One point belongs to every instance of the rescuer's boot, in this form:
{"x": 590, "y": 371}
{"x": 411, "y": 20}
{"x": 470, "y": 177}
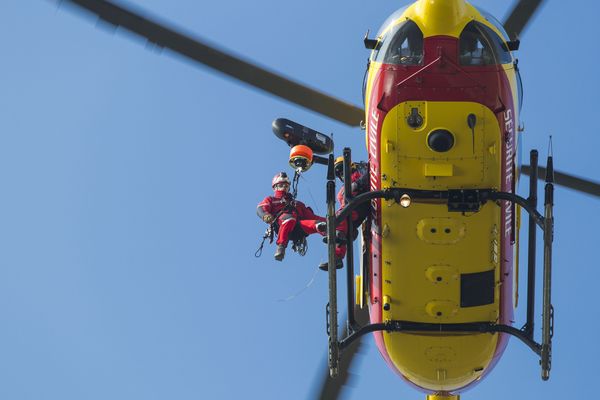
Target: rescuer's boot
{"x": 321, "y": 227}
{"x": 280, "y": 252}
{"x": 324, "y": 266}
{"x": 340, "y": 238}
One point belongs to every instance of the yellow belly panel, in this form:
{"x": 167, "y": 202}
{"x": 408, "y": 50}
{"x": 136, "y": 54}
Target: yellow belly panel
{"x": 444, "y": 363}
{"x": 426, "y": 249}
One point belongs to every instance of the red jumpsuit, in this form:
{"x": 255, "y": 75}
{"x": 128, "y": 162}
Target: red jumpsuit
{"x": 288, "y": 212}
{"x": 360, "y": 184}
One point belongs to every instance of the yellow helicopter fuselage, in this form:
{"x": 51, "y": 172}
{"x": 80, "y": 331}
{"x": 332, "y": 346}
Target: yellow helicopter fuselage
{"x": 442, "y": 99}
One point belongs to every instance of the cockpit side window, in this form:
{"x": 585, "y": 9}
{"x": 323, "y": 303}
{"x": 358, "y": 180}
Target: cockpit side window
{"x": 492, "y": 20}
{"x": 480, "y": 45}
{"x": 402, "y": 45}
{"x": 519, "y": 87}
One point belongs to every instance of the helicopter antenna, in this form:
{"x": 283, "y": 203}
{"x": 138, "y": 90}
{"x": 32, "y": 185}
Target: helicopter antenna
{"x": 550, "y": 163}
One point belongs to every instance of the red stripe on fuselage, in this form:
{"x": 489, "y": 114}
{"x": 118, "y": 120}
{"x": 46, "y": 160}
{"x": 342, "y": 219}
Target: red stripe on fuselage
{"x": 442, "y": 78}
{"x": 375, "y": 117}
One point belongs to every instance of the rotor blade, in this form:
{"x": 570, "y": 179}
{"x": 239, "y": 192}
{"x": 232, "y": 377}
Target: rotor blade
{"x": 520, "y": 16}
{"x": 568, "y": 181}
{"x": 223, "y": 62}
{"x": 331, "y": 388}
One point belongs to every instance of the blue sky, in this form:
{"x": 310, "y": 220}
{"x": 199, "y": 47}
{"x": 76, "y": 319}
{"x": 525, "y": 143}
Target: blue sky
{"x": 130, "y": 179}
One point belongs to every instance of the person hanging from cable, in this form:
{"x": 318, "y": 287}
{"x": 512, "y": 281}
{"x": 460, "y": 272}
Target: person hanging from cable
{"x": 359, "y": 179}
{"x": 284, "y": 213}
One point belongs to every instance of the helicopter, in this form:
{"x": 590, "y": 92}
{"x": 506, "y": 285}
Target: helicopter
{"x": 440, "y": 300}
{"x": 445, "y": 172}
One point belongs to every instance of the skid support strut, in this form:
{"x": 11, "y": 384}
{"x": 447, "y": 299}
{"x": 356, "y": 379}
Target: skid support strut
{"x": 332, "y": 223}
{"x": 533, "y": 177}
{"x": 332, "y": 309}
{"x": 352, "y": 325}
{"x": 548, "y": 310}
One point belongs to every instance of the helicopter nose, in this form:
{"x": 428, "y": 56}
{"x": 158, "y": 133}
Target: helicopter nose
{"x": 440, "y": 140}
{"x": 443, "y": 17}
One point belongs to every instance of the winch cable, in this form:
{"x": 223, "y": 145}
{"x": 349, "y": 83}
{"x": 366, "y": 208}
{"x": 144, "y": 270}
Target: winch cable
{"x": 295, "y": 180}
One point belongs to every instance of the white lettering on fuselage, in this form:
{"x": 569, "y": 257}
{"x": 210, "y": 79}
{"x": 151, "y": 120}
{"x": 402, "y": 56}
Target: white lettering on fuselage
{"x": 373, "y": 154}
{"x": 508, "y": 169}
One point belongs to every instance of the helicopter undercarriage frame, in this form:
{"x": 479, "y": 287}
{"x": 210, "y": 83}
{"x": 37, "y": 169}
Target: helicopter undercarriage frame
{"x": 458, "y": 200}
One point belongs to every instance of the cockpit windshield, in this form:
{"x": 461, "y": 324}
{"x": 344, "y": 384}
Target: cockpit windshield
{"x": 480, "y": 45}
{"x": 391, "y": 20}
{"x": 494, "y": 21}
{"x": 402, "y": 44}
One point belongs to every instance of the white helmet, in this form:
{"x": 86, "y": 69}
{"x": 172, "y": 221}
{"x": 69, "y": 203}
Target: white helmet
{"x": 280, "y": 178}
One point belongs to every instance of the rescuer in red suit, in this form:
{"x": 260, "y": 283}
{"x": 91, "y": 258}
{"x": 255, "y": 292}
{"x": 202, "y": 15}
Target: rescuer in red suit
{"x": 288, "y": 212}
{"x": 359, "y": 184}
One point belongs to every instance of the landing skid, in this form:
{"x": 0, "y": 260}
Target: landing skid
{"x": 459, "y": 200}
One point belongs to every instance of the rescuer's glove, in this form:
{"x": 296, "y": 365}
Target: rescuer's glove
{"x": 268, "y": 218}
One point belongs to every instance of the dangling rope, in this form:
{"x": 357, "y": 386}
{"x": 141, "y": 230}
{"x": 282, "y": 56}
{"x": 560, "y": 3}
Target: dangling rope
{"x": 299, "y": 292}
{"x": 312, "y": 197}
